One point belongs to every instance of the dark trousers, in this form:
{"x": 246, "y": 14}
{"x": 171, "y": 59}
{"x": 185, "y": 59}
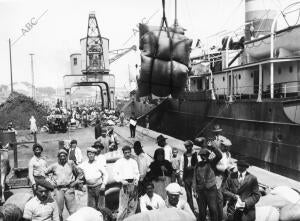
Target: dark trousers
{"x": 207, "y": 197}
{"x": 220, "y": 204}
{"x": 96, "y": 198}
{"x": 189, "y": 194}
{"x": 132, "y": 130}
{"x": 243, "y": 216}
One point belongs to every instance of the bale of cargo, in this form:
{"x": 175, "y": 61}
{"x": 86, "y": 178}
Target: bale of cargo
{"x": 286, "y": 193}
{"x": 19, "y": 200}
{"x": 272, "y": 200}
{"x": 166, "y": 214}
{"x": 266, "y": 213}
{"x": 144, "y": 28}
{"x": 166, "y": 77}
{"x": 290, "y": 212}
{"x": 179, "y": 50}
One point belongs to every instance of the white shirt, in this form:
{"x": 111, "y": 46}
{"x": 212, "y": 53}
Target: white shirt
{"x": 126, "y": 169}
{"x": 37, "y": 166}
{"x": 35, "y": 210}
{"x": 143, "y": 161}
{"x": 225, "y": 162}
{"x": 93, "y": 172}
{"x": 182, "y": 205}
{"x": 241, "y": 176}
{"x": 156, "y": 202}
{"x": 168, "y": 152}
{"x": 101, "y": 159}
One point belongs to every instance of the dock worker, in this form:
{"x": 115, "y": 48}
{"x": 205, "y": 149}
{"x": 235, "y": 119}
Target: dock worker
{"x": 96, "y": 177}
{"x": 126, "y": 171}
{"x": 219, "y": 139}
{"x": 204, "y": 183}
{"x": 161, "y": 141}
{"x": 161, "y": 173}
{"x": 75, "y": 154}
{"x": 174, "y": 192}
{"x": 242, "y": 190}
{"x": 143, "y": 161}
{"x": 100, "y": 157}
{"x": 64, "y": 174}
{"x": 42, "y": 206}
{"x": 112, "y": 140}
{"x": 11, "y": 129}
{"x": 132, "y": 125}
{"x": 37, "y": 166}
{"x": 151, "y": 201}
{"x": 98, "y": 130}
{"x": 175, "y": 161}
{"x": 187, "y": 164}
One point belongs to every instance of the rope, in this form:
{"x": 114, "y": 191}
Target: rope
{"x": 163, "y": 24}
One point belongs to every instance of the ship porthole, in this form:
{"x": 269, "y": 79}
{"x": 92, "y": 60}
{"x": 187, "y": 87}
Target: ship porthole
{"x": 223, "y": 78}
{"x": 270, "y": 110}
{"x": 279, "y": 137}
{"x": 239, "y": 77}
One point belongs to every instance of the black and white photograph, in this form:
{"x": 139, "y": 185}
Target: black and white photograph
{"x": 153, "y": 110}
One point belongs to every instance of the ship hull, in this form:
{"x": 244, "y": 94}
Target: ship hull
{"x": 261, "y": 131}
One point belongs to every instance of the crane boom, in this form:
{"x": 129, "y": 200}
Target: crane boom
{"x": 120, "y": 53}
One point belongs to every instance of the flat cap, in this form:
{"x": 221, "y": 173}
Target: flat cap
{"x": 62, "y": 151}
{"x": 174, "y": 188}
{"x": 188, "y": 143}
{"x": 73, "y": 141}
{"x": 160, "y": 138}
{"x": 242, "y": 163}
{"x": 91, "y": 149}
{"x": 37, "y": 145}
{"x": 204, "y": 151}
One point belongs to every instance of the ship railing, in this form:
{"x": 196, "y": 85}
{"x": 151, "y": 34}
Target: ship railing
{"x": 281, "y": 90}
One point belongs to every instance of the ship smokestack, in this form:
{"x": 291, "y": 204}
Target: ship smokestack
{"x": 259, "y": 16}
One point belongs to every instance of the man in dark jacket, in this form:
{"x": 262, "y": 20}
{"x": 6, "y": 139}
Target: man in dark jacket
{"x": 242, "y": 191}
{"x": 98, "y": 129}
{"x": 204, "y": 183}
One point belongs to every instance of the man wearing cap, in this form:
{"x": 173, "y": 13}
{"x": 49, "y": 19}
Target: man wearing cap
{"x": 75, "y": 154}
{"x": 96, "y": 177}
{"x": 173, "y": 200}
{"x": 37, "y": 166}
{"x": 64, "y": 174}
{"x": 42, "y": 206}
{"x": 204, "y": 183}
{"x": 100, "y": 158}
{"x": 161, "y": 141}
{"x": 98, "y": 129}
{"x": 242, "y": 191}
{"x": 218, "y": 139}
{"x": 187, "y": 164}
{"x": 126, "y": 171}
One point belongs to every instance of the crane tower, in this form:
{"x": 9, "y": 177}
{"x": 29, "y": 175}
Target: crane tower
{"x": 95, "y": 54}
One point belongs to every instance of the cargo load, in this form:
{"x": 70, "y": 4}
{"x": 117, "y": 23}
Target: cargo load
{"x": 165, "y": 58}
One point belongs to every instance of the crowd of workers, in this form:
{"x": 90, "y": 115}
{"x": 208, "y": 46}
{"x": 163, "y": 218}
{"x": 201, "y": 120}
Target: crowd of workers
{"x": 208, "y": 175}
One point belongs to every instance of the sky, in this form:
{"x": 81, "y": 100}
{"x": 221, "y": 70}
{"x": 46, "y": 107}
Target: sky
{"x": 57, "y": 33}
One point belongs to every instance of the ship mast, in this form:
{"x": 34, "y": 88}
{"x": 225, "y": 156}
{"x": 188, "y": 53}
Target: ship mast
{"x": 175, "y": 20}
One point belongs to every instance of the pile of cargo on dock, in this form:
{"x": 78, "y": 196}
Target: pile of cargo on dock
{"x": 18, "y": 109}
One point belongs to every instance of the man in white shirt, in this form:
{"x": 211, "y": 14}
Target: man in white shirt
{"x": 143, "y": 161}
{"x": 174, "y": 192}
{"x": 96, "y": 178}
{"x": 100, "y": 157}
{"x": 161, "y": 141}
{"x": 151, "y": 201}
{"x": 37, "y": 166}
{"x": 126, "y": 171}
{"x": 42, "y": 207}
